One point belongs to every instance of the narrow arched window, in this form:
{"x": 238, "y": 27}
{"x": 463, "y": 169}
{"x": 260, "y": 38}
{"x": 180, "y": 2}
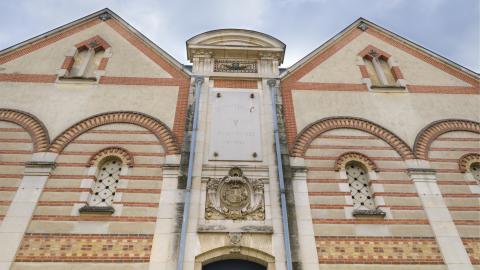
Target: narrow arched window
{"x": 105, "y": 185}
{"x": 379, "y": 70}
{"x": 359, "y": 186}
{"x": 86, "y": 62}
{"x": 475, "y": 170}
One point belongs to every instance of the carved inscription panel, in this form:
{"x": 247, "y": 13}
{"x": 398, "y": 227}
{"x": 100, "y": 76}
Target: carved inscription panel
{"x": 235, "y": 132}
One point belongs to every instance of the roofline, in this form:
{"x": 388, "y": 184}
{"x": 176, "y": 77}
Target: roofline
{"x": 237, "y": 29}
{"x": 306, "y": 58}
{"x": 170, "y": 59}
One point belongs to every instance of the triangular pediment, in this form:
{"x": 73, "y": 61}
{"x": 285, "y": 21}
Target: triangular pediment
{"x": 129, "y": 53}
{"x": 338, "y": 60}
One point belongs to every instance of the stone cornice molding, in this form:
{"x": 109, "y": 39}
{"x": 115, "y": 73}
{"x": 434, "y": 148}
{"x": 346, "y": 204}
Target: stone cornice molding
{"x": 31, "y": 124}
{"x": 427, "y": 135}
{"x": 312, "y": 131}
{"x": 159, "y": 129}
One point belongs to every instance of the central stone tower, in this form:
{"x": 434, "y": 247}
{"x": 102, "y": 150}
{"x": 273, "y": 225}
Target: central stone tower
{"x": 235, "y": 200}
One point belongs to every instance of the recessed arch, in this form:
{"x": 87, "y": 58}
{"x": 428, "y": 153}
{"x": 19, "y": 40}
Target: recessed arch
{"x": 234, "y": 252}
{"x": 467, "y": 160}
{"x": 158, "y": 128}
{"x": 125, "y": 156}
{"x": 312, "y": 131}
{"x": 345, "y": 158}
{"x": 428, "y": 134}
{"x": 31, "y": 124}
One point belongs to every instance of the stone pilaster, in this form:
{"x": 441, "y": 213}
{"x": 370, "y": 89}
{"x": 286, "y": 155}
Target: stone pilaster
{"x": 448, "y": 239}
{"x": 306, "y": 238}
{"x": 21, "y": 208}
{"x": 164, "y": 247}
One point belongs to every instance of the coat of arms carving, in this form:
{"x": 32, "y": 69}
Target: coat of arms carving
{"x": 235, "y": 197}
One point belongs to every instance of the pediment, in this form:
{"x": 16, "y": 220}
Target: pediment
{"x": 234, "y": 41}
{"x": 236, "y": 37}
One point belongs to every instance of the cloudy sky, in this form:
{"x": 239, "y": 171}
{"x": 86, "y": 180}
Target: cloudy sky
{"x": 450, "y": 28}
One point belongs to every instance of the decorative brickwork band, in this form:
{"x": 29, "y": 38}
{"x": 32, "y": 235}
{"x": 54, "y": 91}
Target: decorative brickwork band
{"x": 68, "y": 63}
{"x": 163, "y": 133}
{"x": 312, "y": 131}
{"x": 427, "y": 135}
{"x": 370, "y": 48}
{"x": 104, "y": 248}
{"x": 95, "y": 42}
{"x": 124, "y": 155}
{"x": 31, "y": 124}
{"x": 249, "y": 84}
{"x": 354, "y": 156}
{"x": 467, "y": 160}
{"x": 397, "y": 74}
{"x": 378, "y": 250}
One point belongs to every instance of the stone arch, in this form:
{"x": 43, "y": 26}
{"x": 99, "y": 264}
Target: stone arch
{"x": 161, "y": 131}
{"x": 31, "y": 124}
{"x": 428, "y": 134}
{"x": 235, "y": 252}
{"x": 343, "y": 159}
{"x": 312, "y": 131}
{"x": 125, "y": 156}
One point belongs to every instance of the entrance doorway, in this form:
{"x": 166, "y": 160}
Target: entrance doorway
{"x": 234, "y": 265}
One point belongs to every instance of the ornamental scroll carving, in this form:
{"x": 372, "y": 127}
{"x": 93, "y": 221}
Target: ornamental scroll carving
{"x": 235, "y": 197}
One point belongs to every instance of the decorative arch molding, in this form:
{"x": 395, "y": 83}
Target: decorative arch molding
{"x": 370, "y": 48}
{"x": 343, "y": 159}
{"x": 161, "y": 131}
{"x": 121, "y": 153}
{"x": 428, "y": 134}
{"x": 312, "y": 131}
{"x": 467, "y": 160}
{"x": 31, "y": 124}
{"x": 234, "y": 252}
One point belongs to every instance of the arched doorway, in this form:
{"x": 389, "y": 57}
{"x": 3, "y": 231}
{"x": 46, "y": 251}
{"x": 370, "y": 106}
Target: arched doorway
{"x": 234, "y": 265}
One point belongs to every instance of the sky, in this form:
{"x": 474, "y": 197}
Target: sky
{"x": 450, "y": 28}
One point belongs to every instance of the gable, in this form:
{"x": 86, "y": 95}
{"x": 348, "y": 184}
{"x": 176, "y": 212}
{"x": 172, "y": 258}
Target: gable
{"x": 126, "y": 60}
{"x": 342, "y": 66}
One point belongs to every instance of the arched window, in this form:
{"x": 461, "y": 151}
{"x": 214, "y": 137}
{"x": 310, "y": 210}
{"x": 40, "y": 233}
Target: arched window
{"x": 105, "y": 185}
{"x": 86, "y": 61}
{"x": 359, "y": 186}
{"x": 475, "y": 170}
{"x": 378, "y": 69}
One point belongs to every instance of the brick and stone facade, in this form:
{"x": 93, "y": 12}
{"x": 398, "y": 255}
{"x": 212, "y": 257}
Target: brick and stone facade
{"x": 408, "y": 146}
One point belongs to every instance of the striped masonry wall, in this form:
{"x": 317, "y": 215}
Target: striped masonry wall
{"x": 58, "y": 231}
{"x": 459, "y": 190}
{"x": 16, "y": 147}
{"x": 344, "y": 239}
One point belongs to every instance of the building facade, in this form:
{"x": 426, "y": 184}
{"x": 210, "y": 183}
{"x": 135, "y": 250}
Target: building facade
{"x": 363, "y": 155}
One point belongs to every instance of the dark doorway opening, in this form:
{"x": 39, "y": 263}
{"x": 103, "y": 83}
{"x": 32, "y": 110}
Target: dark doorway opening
{"x": 234, "y": 265}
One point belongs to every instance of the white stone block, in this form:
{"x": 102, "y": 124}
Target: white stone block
{"x": 14, "y": 224}
{"x": 444, "y": 228}
{"x": 453, "y": 250}
{"x": 20, "y": 209}
{"x": 8, "y": 248}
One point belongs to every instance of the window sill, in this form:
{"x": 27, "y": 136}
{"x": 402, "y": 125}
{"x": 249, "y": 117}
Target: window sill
{"x": 99, "y": 210}
{"x": 82, "y": 80}
{"x": 388, "y": 89}
{"x": 377, "y": 213}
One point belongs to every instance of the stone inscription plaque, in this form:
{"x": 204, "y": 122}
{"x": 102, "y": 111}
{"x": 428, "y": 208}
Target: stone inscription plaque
{"x": 235, "y": 132}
